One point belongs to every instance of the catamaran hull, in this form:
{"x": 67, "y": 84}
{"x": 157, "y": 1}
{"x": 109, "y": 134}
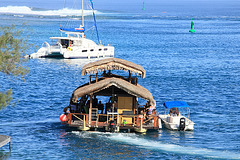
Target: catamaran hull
{"x": 47, "y": 52}
{"x": 74, "y": 53}
{"x": 89, "y": 53}
{"x": 43, "y": 55}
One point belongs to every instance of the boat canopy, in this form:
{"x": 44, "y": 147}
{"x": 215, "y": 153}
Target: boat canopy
{"x": 113, "y": 64}
{"x": 106, "y": 86}
{"x": 78, "y": 29}
{"x": 173, "y": 104}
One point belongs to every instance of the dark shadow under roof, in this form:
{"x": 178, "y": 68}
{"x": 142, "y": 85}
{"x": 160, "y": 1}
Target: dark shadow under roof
{"x": 129, "y": 88}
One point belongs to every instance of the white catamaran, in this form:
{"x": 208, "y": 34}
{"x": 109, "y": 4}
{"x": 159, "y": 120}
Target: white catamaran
{"x": 74, "y": 45}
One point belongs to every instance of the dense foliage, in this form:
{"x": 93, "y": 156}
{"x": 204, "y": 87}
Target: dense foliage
{"x": 12, "y": 49}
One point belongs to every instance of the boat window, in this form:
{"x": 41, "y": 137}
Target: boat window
{"x": 64, "y": 43}
{"x": 100, "y": 49}
{"x": 105, "y": 49}
{"x": 91, "y": 50}
{"x": 84, "y": 50}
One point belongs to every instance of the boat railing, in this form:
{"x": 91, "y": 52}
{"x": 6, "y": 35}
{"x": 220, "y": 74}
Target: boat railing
{"x": 77, "y": 117}
{"x": 152, "y": 120}
{"x": 59, "y": 46}
{"x": 135, "y": 120}
{"x": 133, "y": 79}
{"x": 120, "y": 119}
{"x": 113, "y": 116}
{"x": 47, "y": 46}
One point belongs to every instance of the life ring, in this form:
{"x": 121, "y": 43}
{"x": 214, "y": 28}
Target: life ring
{"x": 63, "y": 118}
{"x": 69, "y": 49}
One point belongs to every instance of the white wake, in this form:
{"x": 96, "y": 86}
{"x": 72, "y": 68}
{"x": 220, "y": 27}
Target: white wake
{"x": 24, "y": 10}
{"x": 133, "y": 139}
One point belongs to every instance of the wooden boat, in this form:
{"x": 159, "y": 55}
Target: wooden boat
{"x": 120, "y": 110}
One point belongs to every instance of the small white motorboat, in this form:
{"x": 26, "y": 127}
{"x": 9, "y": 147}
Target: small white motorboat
{"x": 173, "y": 119}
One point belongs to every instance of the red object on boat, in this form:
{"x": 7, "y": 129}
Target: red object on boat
{"x": 63, "y": 117}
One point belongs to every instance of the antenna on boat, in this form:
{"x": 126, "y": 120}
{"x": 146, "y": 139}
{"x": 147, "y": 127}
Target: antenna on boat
{"x": 82, "y": 15}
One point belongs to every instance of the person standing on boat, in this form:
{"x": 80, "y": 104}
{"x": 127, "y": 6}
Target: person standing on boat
{"x": 100, "y": 107}
{"x": 66, "y": 110}
{"x": 95, "y": 101}
{"x": 113, "y": 101}
{"x": 149, "y": 108}
{"x": 86, "y": 107}
{"x": 73, "y": 107}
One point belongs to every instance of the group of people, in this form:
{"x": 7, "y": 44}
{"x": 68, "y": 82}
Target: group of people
{"x": 98, "y": 105}
{"x": 174, "y": 111}
{"x": 95, "y": 104}
{"x": 83, "y": 105}
{"x": 147, "y": 111}
{"x": 112, "y": 103}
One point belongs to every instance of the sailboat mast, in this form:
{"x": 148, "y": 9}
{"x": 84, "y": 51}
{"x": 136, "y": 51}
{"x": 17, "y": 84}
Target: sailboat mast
{"x": 82, "y": 15}
{"x": 95, "y": 22}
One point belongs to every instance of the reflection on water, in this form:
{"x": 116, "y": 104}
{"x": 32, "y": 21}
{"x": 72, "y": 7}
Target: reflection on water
{"x": 69, "y": 62}
{"x": 201, "y": 68}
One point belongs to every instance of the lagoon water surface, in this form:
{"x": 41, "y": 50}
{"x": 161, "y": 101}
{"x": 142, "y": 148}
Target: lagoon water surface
{"x": 202, "y": 69}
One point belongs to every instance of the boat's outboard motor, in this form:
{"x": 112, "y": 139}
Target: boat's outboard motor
{"x": 112, "y": 126}
{"x": 182, "y": 124}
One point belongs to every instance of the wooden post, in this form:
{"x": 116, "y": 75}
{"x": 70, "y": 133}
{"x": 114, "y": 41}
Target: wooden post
{"x": 86, "y": 118}
{"x": 129, "y": 76}
{"x": 135, "y": 105}
{"x": 89, "y": 79}
{"x": 90, "y": 110}
{"x": 156, "y": 121}
{"x": 70, "y": 119}
{"x": 137, "y": 121}
{"x": 97, "y": 77}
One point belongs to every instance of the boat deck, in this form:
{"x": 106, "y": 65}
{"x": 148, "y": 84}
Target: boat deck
{"x": 102, "y": 125}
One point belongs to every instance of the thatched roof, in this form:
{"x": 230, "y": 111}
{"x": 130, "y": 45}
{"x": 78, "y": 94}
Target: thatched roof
{"x": 113, "y": 64}
{"x": 120, "y": 84}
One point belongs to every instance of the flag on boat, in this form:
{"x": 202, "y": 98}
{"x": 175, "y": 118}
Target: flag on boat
{"x": 79, "y": 29}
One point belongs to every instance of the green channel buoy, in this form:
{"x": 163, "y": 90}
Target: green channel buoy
{"x": 192, "y": 30}
{"x": 143, "y": 6}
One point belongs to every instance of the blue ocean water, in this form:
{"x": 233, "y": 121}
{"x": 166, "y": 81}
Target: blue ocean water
{"x": 202, "y": 69}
